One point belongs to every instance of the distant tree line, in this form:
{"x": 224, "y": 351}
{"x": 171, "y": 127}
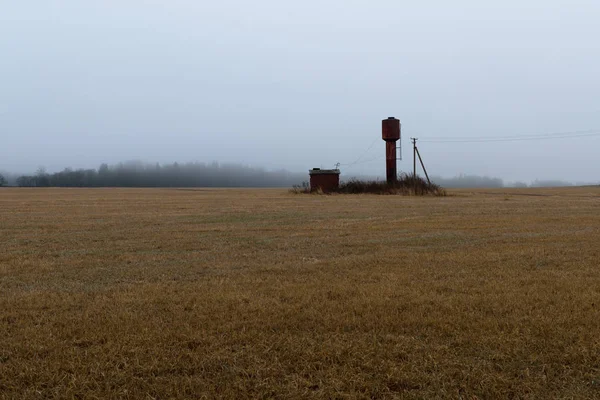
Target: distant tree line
{"x": 476, "y": 181}
{"x": 549, "y": 183}
{"x": 138, "y": 174}
{"x": 468, "y": 181}
{"x": 7, "y": 179}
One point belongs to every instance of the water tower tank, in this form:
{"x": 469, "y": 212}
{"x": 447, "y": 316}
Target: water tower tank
{"x": 391, "y": 129}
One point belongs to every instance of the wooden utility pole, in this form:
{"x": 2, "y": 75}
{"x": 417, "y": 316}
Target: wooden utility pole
{"x": 423, "y": 165}
{"x": 416, "y": 154}
{"x": 414, "y": 142}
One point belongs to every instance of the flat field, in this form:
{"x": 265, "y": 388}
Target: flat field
{"x": 199, "y": 293}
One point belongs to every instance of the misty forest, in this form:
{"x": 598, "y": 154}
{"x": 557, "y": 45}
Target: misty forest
{"x": 196, "y": 174}
{"x": 138, "y": 174}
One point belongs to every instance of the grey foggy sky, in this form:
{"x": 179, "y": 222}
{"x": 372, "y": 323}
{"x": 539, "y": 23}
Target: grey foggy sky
{"x": 296, "y": 85}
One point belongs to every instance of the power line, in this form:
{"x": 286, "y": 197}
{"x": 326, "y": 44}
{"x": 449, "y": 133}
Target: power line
{"x": 357, "y": 161}
{"x": 370, "y": 160}
{"x": 471, "y": 139}
{"x": 380, "y": 157}
{"x": 516, "y": 136}
{"x": 547, "y": 136}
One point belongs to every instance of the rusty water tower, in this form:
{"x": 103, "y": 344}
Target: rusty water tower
{"x": 390, "y": 129}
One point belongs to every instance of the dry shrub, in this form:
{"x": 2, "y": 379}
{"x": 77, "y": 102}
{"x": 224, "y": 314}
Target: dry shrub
{"x": 301, "y": 189}
{"x": 405, "y": 185}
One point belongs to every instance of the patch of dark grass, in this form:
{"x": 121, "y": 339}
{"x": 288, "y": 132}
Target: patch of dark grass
{"x": 407, "y": 185}
{"x": 301, "y": 189}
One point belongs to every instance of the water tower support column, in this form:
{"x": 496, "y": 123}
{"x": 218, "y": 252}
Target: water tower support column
{"x": 390, "y": 162}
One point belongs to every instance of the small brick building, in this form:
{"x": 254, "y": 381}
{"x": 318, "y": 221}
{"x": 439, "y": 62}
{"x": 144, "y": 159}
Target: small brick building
{"x": 325, "y": 179}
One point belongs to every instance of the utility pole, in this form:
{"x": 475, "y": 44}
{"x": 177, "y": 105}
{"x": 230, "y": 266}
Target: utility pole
{"x": 414, "y": 142}
{"x": 416, "y": 154}
{"x": 423, "y": 165}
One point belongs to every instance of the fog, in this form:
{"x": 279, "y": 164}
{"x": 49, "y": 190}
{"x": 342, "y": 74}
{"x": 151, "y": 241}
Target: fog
{"x": 296, "y": 85}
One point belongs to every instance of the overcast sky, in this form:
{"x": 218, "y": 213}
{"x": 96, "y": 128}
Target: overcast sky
{"x": 300, "y": 84}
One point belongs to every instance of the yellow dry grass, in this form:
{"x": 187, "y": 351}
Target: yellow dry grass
{"x": 159, "y": 294}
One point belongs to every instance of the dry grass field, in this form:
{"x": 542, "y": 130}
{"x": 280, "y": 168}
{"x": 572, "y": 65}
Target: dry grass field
{"x": 199, "y": 293}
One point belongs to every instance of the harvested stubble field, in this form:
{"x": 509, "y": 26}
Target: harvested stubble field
{"x": 132, "y": 293}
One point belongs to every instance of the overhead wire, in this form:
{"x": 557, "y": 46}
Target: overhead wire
{"x": 369, "y": 160}
{"x": 357, "y": 161}
{"x": 547, "y": 136}
{"x": 481, "y": 139}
